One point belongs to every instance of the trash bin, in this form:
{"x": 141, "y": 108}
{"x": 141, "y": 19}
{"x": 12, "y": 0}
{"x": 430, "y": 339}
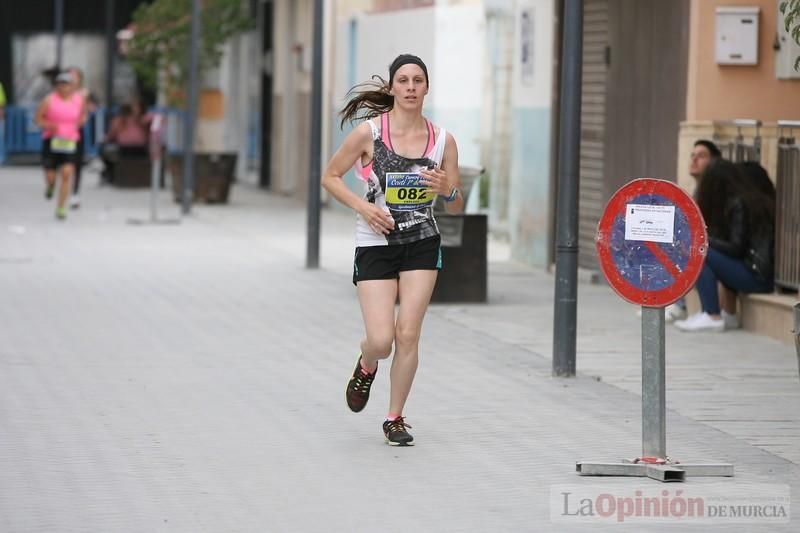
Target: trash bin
{"x": 214, "y": 174}
{"x": 464, "y": 249}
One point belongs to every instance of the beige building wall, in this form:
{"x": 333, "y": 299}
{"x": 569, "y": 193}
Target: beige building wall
{"x": 291, "y": 97}
{"x": 718, "y": 92}
{"x": 726, "y": 92}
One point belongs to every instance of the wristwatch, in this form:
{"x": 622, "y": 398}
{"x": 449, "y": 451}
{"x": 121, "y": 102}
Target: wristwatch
{"x": 453, "y": 195}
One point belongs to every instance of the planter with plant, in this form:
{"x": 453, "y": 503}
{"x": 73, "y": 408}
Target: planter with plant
{"x": 159, "y": 52}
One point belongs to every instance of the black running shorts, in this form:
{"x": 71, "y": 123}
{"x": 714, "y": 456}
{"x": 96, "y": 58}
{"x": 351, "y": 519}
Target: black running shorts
{"x": 53, "y": 160}
{"x": 386, "y": 262}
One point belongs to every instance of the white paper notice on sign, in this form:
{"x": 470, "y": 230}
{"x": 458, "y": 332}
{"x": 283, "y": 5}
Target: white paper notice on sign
{"x": 652, "y": 223}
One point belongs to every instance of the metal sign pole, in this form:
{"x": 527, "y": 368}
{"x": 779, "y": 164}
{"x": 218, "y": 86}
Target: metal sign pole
{"x": 155, "y": 171}
{"x": 156, "y": 166}
{"x": 654, "y": 462}
{"x": 654, "y": 402}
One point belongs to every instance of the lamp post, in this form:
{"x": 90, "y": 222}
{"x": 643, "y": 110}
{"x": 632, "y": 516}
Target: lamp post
{"x": 191, "y": 111}
{"x": 566, "y": 289}
{"x": 314, "y": 204}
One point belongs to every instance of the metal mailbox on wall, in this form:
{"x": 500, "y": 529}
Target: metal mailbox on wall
{"x": 737, "y": 35}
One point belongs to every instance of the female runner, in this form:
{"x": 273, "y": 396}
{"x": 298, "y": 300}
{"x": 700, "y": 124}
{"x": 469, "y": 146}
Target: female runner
{"x": 405, "y": 162}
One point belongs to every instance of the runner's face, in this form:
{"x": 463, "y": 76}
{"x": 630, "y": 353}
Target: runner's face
{"x": 64, "y": 89}
{"x": 409, "y": 87}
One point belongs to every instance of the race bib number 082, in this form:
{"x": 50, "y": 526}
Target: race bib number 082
{"x": 405, "y": 193}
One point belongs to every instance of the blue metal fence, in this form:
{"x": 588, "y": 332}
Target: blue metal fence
{"x": 20, "y": 135}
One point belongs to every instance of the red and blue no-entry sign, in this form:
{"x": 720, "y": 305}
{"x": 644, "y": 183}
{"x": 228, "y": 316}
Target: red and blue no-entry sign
{"x": 651, "y": 242}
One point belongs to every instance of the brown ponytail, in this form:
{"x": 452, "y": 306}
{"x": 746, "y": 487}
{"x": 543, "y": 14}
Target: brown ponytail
{"x": 369, "y": 99}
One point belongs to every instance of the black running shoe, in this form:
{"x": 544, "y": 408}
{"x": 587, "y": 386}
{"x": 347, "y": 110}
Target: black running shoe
{"x": 48, "y": 192}
{"x": 396, "y": 434}
{"x": 357, "y": 393}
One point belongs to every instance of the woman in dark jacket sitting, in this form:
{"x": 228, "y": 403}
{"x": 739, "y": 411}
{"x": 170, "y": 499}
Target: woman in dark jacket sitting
{"x": 741, "y": 226}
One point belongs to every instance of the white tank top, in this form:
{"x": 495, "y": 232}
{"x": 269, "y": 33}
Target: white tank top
{"x": 391, "y": 182}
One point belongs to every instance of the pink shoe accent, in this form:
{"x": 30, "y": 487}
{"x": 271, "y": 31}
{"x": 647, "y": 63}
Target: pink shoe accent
{"x": 392, "y": 417}
{"x": 364, "y": 369}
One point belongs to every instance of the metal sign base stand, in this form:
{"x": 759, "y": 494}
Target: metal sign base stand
{"x": 654, "y": 462}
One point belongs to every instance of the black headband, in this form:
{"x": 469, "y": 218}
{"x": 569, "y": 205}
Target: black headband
{"x": 405, "y": 59}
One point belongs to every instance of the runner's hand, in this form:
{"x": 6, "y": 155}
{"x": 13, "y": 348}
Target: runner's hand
{"x": 436, "y": 180}
{"x": 379, "y": 220}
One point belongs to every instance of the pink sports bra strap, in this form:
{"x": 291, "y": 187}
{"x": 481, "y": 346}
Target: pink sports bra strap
{"x": 431, "y": 139}
{"x": 387, "y": 141}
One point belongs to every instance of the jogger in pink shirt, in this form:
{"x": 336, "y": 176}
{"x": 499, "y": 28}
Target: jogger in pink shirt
{"x": 60, "y": 115}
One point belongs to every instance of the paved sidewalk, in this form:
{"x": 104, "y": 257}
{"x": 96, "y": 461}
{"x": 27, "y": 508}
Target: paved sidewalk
{"x": 191, "y": 378}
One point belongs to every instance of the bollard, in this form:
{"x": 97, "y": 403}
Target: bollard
{"x": 797, "y": 333}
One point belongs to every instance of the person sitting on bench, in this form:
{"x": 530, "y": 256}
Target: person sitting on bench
{"x": 126, "y": 138}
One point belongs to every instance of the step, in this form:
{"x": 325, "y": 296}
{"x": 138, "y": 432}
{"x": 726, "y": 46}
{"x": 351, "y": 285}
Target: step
{"x": 769, "y": 314}
{"x": 764, "y": 314}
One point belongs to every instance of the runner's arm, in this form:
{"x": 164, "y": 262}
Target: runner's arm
{"x": 357, "y": 143}
{"x": 450, "y": 167}
{"x": 40, "y": 112}
{"x": 354, "y": 145}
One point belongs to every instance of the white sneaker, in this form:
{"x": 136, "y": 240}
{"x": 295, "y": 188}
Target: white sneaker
{"x": 731, "y": 321}
{"x": 74, "y": 201}
{"x": 701, "y": 322}
{"x": 674, "y": 312}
